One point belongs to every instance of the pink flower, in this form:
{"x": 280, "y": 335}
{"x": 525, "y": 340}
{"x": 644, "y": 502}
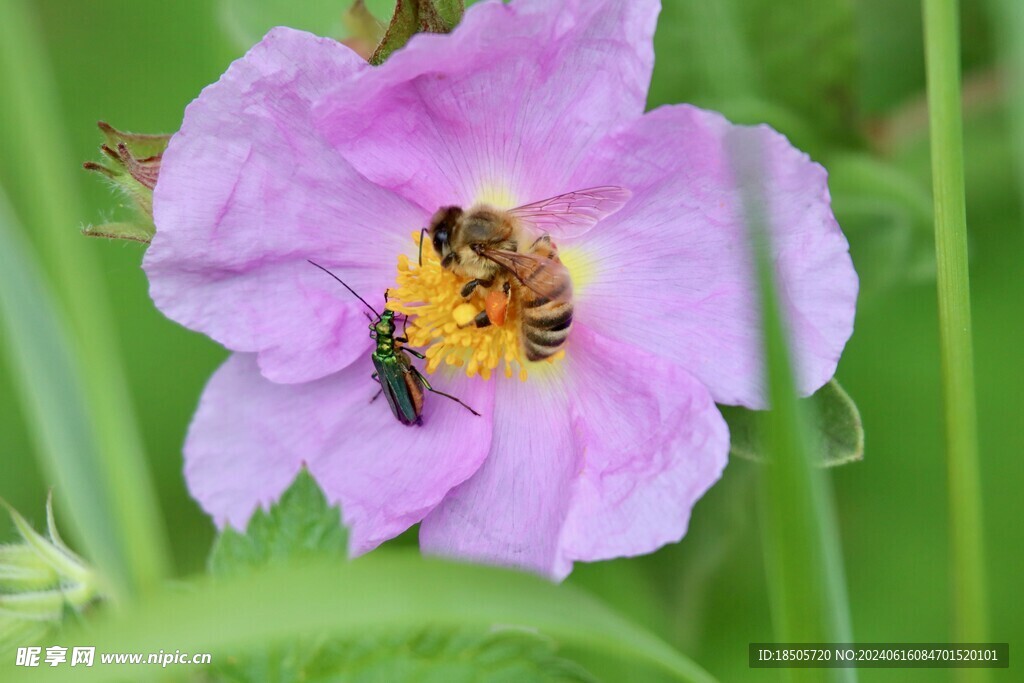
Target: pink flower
{"x": 303, "y": 151}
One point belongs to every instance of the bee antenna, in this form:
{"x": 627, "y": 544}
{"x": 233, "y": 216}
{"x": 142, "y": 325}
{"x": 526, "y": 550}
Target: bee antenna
{"x": 423, "y": 231}
{"x": 345, "y": 286}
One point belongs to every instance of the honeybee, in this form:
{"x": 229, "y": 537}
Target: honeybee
{"x": 513, "y": 250}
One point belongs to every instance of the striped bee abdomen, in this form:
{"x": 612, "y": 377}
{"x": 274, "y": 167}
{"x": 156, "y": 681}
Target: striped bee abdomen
{"x": 545, "y": 327}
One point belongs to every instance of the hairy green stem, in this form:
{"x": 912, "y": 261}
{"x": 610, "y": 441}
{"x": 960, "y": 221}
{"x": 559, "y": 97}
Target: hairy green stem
{"x": 127, "y": 521}
{"x": 942, "y": 53}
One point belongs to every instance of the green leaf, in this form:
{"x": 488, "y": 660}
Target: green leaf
{"x": 800, "y": 56}
{"x": 431, "y": 654}
{"x": 837, "y": 429}
{"x": 385, "y": 591}
{"x": 417, "y": 16}
{"x": 300, "y": 525}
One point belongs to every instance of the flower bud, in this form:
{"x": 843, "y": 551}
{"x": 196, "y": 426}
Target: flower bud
{"x": 132, "y": 166}
{"x": 40, "y": 580}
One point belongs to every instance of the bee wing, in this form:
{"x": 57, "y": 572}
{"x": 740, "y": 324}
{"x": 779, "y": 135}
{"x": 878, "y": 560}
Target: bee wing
{"x": 573, "y": 213}
{"x": 547, "y": 277}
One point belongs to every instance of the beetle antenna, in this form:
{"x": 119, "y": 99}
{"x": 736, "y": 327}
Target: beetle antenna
{"x": 345, "y": 286}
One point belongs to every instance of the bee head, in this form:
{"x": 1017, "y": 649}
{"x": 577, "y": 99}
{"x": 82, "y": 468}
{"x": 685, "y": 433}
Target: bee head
{"x": 442, "y": 225}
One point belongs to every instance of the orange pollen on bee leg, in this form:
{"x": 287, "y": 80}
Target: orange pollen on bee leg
{"x": 440, "y": 319}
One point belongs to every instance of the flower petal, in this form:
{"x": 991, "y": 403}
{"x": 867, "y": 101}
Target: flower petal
{"x": 672, "y": 270}
{"x": 652, "y": 441}
{"x": 250, "y": 436}
{"x": 502, "y": 108}
{"x": 512, "y": 510}
{"x": 248, "y": 191}
{"x": 604, "y": 457}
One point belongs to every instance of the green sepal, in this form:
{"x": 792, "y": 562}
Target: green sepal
{"x": 51, "y": 552}
{"x": 417, "y": 16}
{"x": 837, "y": 428}
{"x": 300, "y": 525}
{"x": 131, "y": 164}
{"x": 141, "y": 231}
{"x": 21, "y": 570}
{"x": 364, "y": 32}
{"x": 41, "y": 581}
{"x": 142, "y": 146}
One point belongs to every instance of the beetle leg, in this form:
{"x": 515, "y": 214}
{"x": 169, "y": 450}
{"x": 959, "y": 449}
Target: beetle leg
{"x": 426, "y": 385}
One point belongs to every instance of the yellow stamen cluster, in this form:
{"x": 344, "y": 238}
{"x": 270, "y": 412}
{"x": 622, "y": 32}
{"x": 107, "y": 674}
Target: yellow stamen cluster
{"x": 442, "y": 320}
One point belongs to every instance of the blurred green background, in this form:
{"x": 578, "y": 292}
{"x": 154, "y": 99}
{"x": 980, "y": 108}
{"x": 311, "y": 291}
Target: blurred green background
{"x": 845, "y": 80}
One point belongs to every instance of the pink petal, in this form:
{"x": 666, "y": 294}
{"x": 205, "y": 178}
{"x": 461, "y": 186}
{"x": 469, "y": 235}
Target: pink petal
{"x": 672, "y": 272}
{"x": 250, "y": 436}
{"x": 248, "y": 191}
{"x": 506, "y": 104}
{"x": 601, "y": 458}
{"x": 652, "y": 443}
{"x": 512, "y": 511}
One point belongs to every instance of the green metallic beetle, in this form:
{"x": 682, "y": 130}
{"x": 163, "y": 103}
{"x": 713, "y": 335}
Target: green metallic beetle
{"x": 401, "y": 382}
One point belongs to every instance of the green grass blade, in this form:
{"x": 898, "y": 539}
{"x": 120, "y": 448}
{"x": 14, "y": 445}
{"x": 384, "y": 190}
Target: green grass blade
{"x": 50, "y": 389}
{"x": 389, "y": 591}
{"x": 36, "y": 156}
{"x": 800, "y": 534}
{"x": 942, "y": 56}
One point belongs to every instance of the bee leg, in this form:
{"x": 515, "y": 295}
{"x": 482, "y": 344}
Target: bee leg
{"x": 377, "y": 395}
{"x": 426, "y": 385}
{"x": 413, "y": 352}
{"x": 470, "y": 286}
{"x": 482, "y": 319}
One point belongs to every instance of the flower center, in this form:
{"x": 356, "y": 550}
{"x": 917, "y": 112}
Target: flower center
{"x": 442, "y": 320}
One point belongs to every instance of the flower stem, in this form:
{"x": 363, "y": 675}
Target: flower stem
{"x": 942, "y": 53}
